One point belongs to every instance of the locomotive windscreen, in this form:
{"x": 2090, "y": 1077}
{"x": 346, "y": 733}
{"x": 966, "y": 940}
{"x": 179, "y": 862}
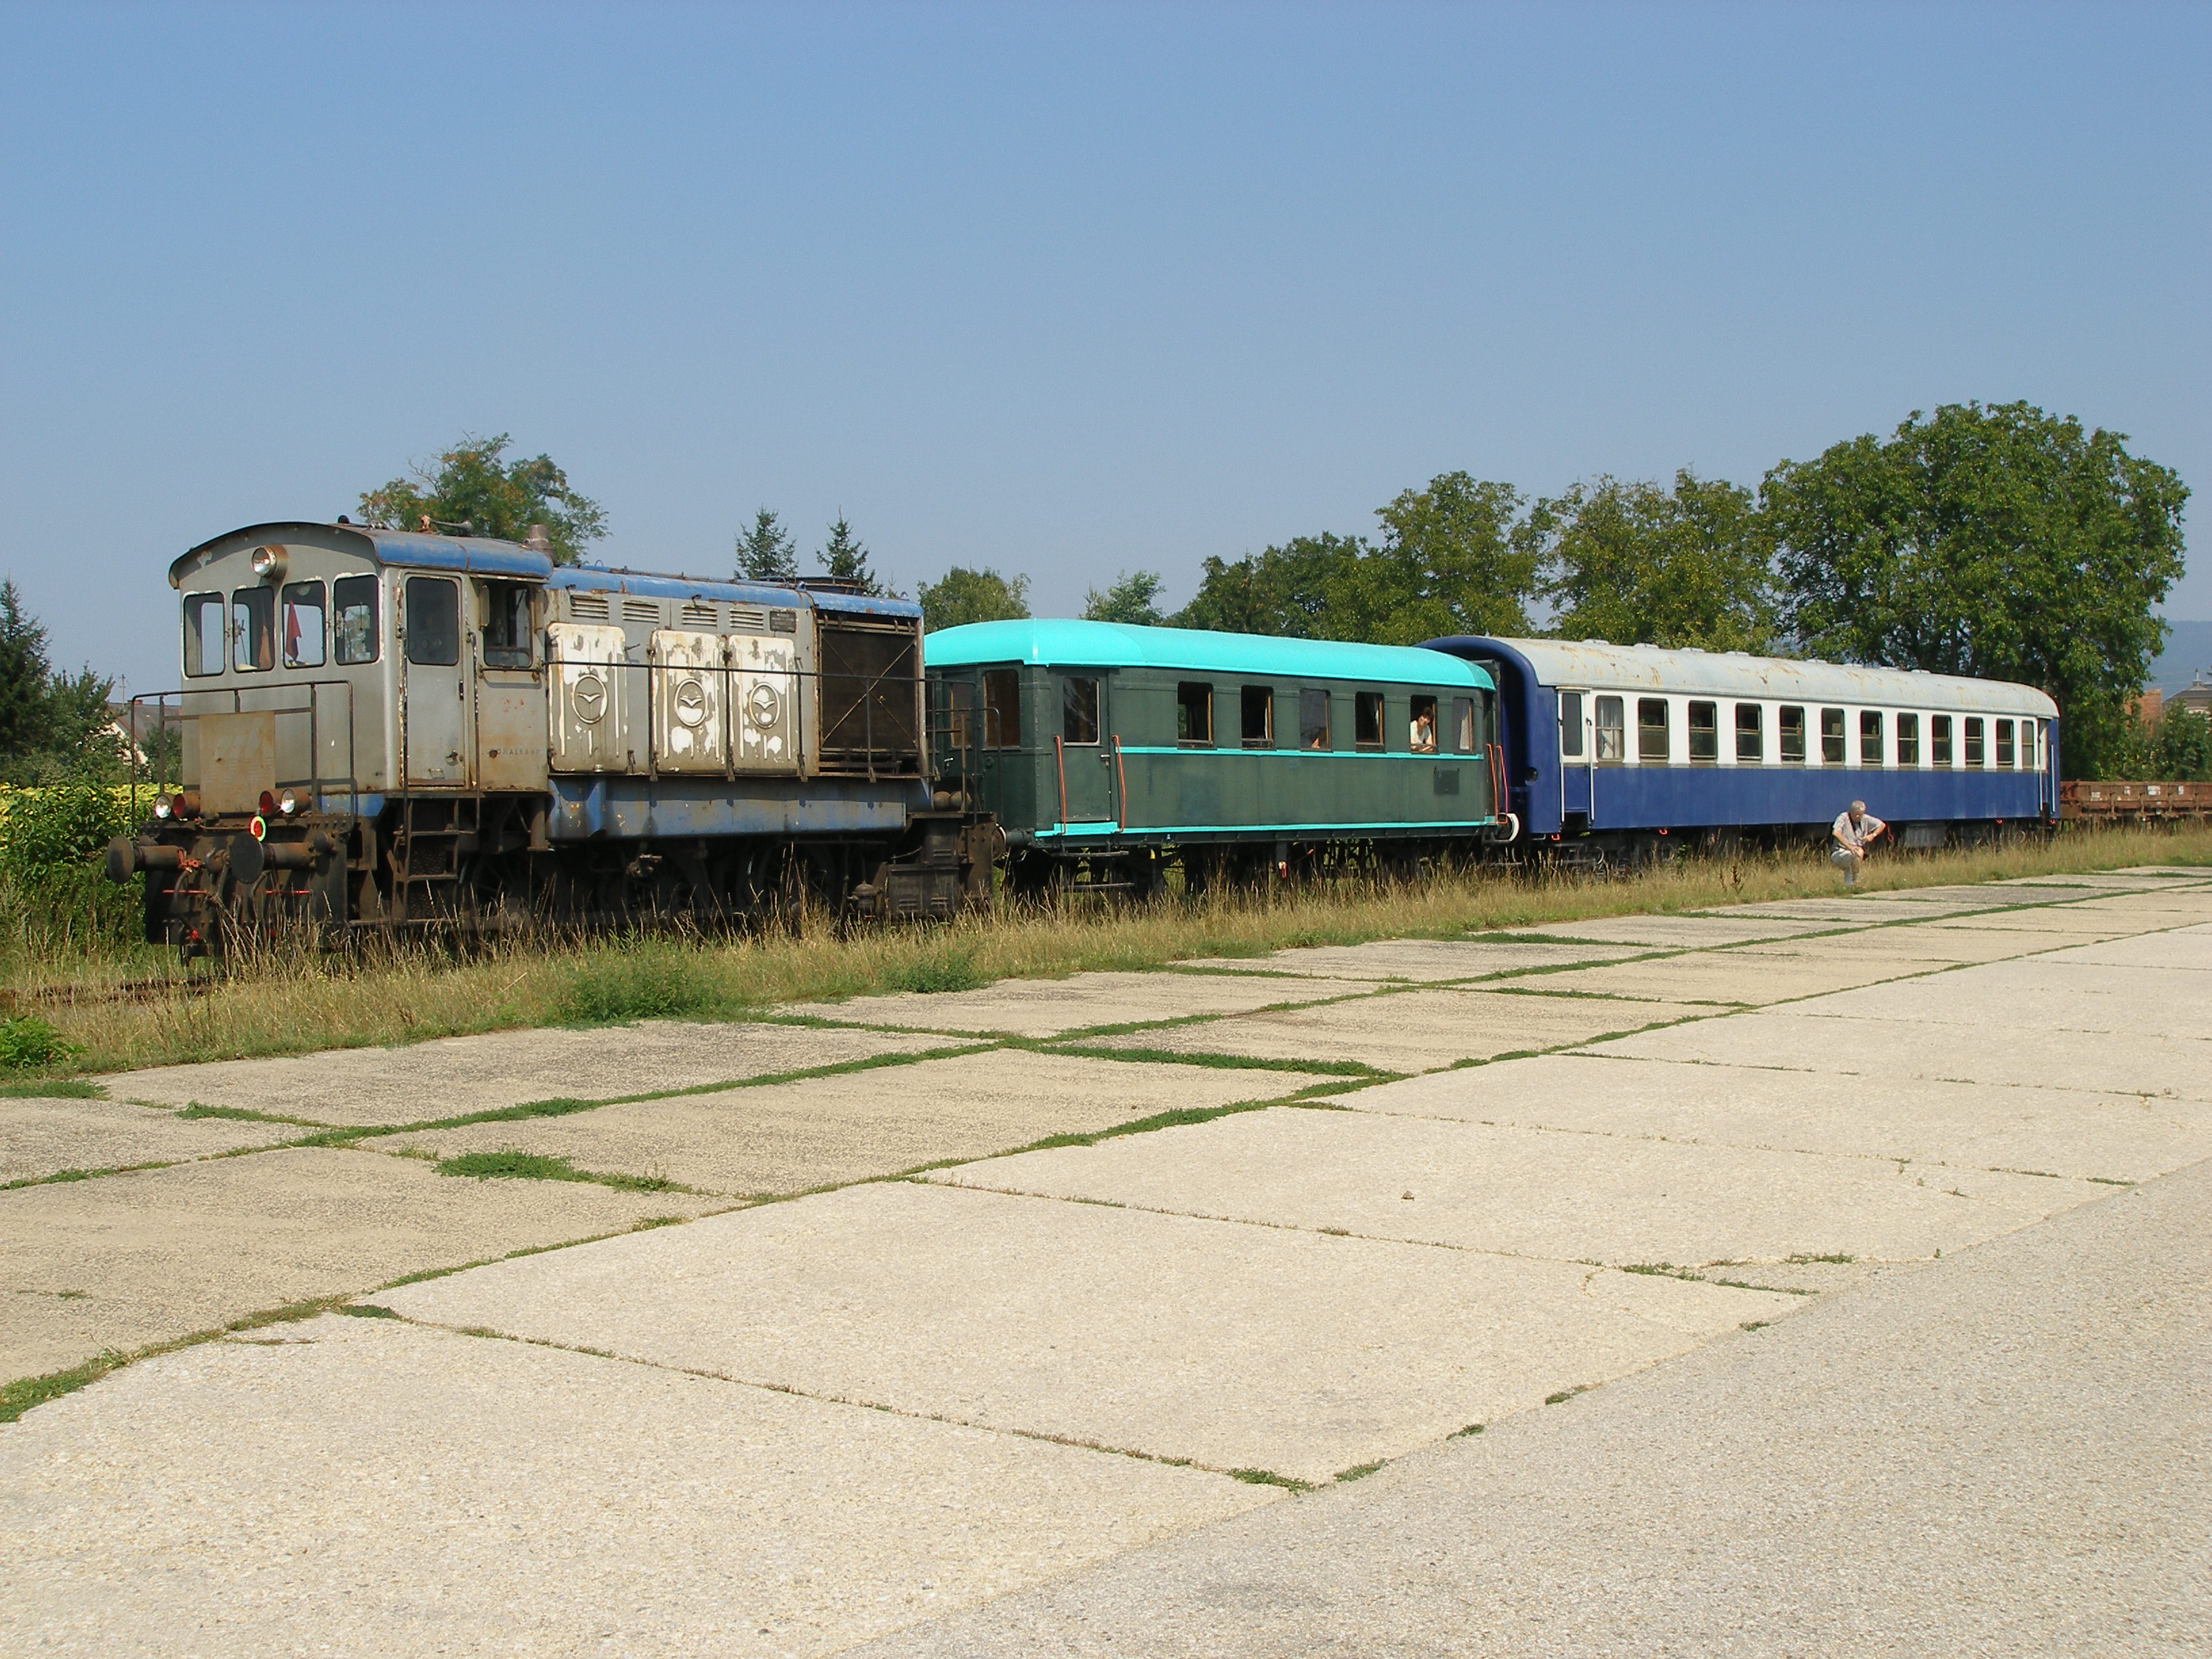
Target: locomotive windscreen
{"x": 870, "y": 677}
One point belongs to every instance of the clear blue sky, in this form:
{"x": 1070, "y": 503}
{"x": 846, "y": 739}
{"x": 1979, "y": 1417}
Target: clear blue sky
{"x": 1062, "y": 289}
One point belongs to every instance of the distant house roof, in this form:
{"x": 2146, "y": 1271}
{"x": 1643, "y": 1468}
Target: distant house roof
{"x": 1066, "y": 644}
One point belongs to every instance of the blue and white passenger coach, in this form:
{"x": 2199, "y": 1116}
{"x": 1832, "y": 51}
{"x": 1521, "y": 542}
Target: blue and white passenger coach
{"x": 1610, "y": 748}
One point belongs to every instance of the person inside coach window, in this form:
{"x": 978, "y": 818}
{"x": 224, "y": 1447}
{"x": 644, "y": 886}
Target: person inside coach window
{"x": 1855, "y": 830}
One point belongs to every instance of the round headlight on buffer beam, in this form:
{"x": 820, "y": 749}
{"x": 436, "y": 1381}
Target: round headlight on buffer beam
{"x": 163, "y": 807}
{"x": 288, "y": 803}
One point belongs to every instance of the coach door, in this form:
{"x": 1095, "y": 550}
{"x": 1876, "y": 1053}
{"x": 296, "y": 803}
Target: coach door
{"x": 1085, "y": 754}
{"x": 435, "y": 681}
{"x": 1577, "y": 745}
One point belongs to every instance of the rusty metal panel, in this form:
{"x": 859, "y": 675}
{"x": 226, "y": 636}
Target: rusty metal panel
{"x": 237, "y": 760}
{"x": 588, "y": 722}
{"x": 511, "y": 730}
{"x": 764, "y": 706}
{"x": 688, "y": 733}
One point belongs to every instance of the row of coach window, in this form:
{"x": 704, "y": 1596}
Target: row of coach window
{"x": 1431, "y": 724}
{"x": 1799, "y": 734}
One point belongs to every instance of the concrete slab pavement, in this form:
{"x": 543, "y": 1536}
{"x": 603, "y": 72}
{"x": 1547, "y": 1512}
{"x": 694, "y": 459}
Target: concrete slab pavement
{"x": 1562, "y": 1196}
{"x": 1412, "y": 1030}
{"x": 43, "y": 1137}
{"x": 1731, "y": 977}
{"x": 787, "y": 1137}
{"x": 453, "y": 1075}
{"x": 1235, "y": 1347}
{"x": 1426, "y": 959}
{"x": 1049, "y": 1007}
{"x": 130, "y": 1260}
{"x": 366, "y": 1485}
{"x": 1687, "y": 932}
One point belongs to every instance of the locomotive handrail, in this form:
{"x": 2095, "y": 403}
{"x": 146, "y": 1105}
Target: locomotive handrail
{"x": 315, "y": 782}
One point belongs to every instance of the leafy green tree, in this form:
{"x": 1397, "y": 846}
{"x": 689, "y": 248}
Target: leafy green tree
{"x": 471, "y": 491}
{"x": 1637, "y": 563}
{"x": 1999, "y": 542}
{"x": 2174, "y": 747}
{"x": 1134, "y": 597}
{"x": 50, "y": 721}
{"x": 845, "y": 556}
{"x": 972, "y": 596}
{"x": 767, "y": 553}
{"x": 1452, "y": 560}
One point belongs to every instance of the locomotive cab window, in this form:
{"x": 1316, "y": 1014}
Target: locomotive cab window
{"x": 1704, "y": 731}
{"x": 1257, "y": 712}
{"x": 1463, "y": 726}
{"x": 2004, "y": 746}
{"x": 1612, "y": 734}
{"x": 1194, "y": 713}
{"x": 1652, "y": 746}
{"x": 1421, "y": 729}
{"x": 253, "y": 629}
{"x": 303, "y": 625}
{"x": 1750, "y": 732}
{"x": 1974, "y": 740}
{"x": 433, "y": 622}
{"x": 352, "y": 604}
{"x": 1869, "y": 737}
{"x": 1570, "y": 724}
{"x": 505, "y": 641}
{"x": 1367, "y": 720}
{"x": 1789, "y": 737}
{"x": 1832, "y": 736}
{"x": 205, "y": 648}
{"x": 1079, "y": 710}
{"x": 1313, "y": 719}
{"x": 1939, "y": 740}
{"x": 1908, "y": 740}
{"x": 1002, "y": 708}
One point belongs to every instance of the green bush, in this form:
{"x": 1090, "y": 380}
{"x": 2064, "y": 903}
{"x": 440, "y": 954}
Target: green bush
{"x": 638, "y": 983}
{"x": 947, "y": 968}
{"x": 28, "y": 1044}
{"x": 52, "y": 840}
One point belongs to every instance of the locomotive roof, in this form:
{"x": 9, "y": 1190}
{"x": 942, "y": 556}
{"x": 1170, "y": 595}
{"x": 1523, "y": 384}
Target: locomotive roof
{"x": 1597, "y": 665}
{"x": 485, "y": 556}
{"x": 1121, "y": 644}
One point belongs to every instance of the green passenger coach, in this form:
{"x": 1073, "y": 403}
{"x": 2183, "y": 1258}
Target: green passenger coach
{"x": 1106, "y": 752}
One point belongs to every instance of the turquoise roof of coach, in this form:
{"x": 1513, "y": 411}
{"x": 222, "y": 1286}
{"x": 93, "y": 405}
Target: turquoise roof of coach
{"x": 1061, "y": 644}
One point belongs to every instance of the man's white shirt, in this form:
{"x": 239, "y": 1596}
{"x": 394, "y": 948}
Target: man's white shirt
{"x": 1856, "y": 835}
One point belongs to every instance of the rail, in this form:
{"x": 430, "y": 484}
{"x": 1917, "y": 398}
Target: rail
{"x": 318, "y": 785}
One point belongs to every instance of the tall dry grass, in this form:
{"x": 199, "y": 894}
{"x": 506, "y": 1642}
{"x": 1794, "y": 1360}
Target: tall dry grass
{"x": 289, "y": 1000}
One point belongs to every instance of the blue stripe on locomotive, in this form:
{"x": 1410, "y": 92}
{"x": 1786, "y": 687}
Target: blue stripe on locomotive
{"x": 1707, "y": 795}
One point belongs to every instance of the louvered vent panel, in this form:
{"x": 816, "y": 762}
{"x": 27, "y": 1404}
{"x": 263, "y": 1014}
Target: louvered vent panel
{"x": 747, "y": 619}
{"x": 697, "y": 613}
{"x": 587, "y": 607}
{"x": 641, "y": 610}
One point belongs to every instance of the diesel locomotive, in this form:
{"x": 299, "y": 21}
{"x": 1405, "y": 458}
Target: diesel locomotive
{"x": 385, "y": 730}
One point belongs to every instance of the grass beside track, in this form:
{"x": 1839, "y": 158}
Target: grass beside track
{"x": 295, "y": 1001}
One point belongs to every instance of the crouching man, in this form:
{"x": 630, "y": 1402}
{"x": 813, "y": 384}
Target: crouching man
{"x": 1854, "y": 832}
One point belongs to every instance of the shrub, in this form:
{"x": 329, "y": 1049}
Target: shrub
{"x": 638, "y": 983}
{"x": 945, "y": 967}
{"x": 52, "y": 842}
{"x": 28, "y": 1044}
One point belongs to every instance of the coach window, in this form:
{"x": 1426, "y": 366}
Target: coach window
{"x": 1463, "y": 726}
{"x": 1079, "y": 710}
{"x": 253, "y": 629}
{"x": 1367, "y": 720}
{"x": 353, "y": 618}
{"x": 1194, "y": 713}
{"x": 433, "y": 622}
{"x": 1908, "y": 740}
{"x": 1651, "y": 742}
{"x": 1421, "y": 728}
{"x": 1313, "y": 719}
{"x": 506, "y": 639}
{"x": 2027, "y": 746}
{"x": 1869, "y": 737}
{"x": 1832, "y": 736}
{"x": 1612, "y": 734}
{"x": 1002, "y": 708}
{"x": 1750, "y": 732}
{"x": 1974, "y": 740}
{"x": 1789, "y": 737}
{"x": 1704, "y": 731}
{"x": 2004, "y": 746}
{"x": 302, "y": 605}
{"x": 1939, "y": 740}
{"x": 1258, "y": 713}
{"x": 1570, "y": 724}
{"x": 203, "y": 640}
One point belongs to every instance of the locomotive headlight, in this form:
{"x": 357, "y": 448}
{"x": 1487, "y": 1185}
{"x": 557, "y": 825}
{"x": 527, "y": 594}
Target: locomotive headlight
{"x": 163, "y": 807}
{"x": 268, "y": 563}
{"x": 288, "y": 803}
